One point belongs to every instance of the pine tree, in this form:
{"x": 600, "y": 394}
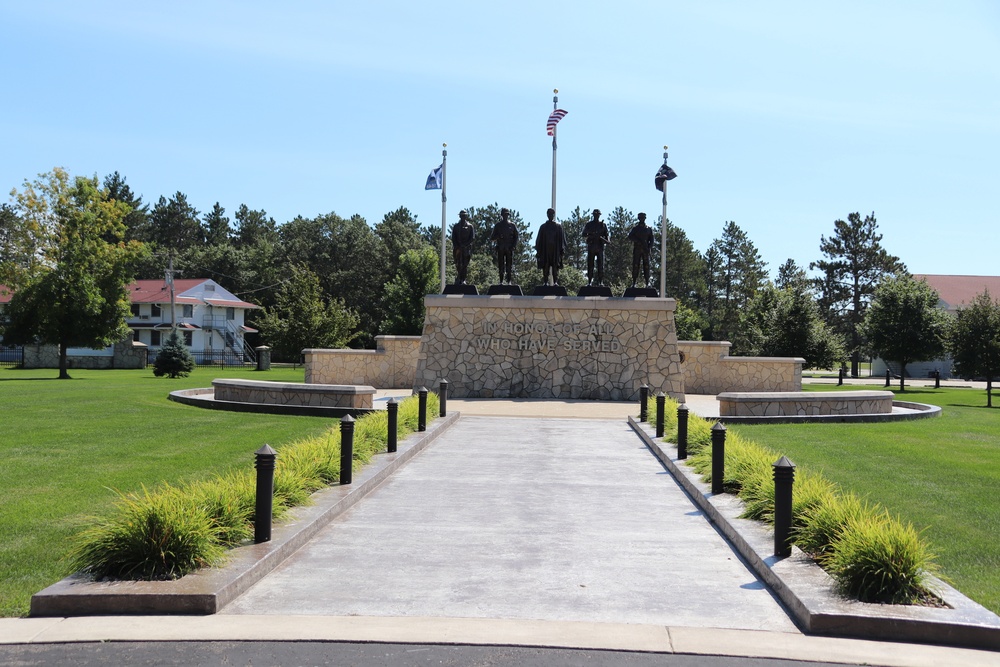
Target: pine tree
{"x": 173, "y": 360}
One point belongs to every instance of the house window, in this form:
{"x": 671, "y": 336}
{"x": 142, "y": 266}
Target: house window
{"x": 154, "y": 310}
{"x": 154, "y": 338}
{"x": 135, "y": 310}
{"x": 135, "y": 335}
{"x": 187, "y": 338}
{"x": 230, "y": 313}
{"x": 188, "y": 310}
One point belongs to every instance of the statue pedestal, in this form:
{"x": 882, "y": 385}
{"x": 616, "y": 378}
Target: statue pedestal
{"x": 595, "y": 290}
{"x": 549, "y": 290}
{"x": 545, "y": 347}
{"x": 461, "y": 289}
{"x": 646, "y": 292}
{"x": 509, "y": 290}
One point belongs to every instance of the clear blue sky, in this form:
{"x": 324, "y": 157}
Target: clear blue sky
{"x": 780, "y": 116}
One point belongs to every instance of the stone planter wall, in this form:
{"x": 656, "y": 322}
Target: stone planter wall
{"x": 708, "y": 369}
{"x": 549, "y": 347}
{"x": 392, "y": 366}
{"x": 773, "y": 404}
{"x": 293, "y": 393}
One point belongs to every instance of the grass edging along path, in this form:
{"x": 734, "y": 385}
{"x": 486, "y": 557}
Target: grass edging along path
{"x": 68, "y": 443}
{"x": 809, "y": 593}
{"x": 208, "y": 590}
{"x": 941, "y": 475}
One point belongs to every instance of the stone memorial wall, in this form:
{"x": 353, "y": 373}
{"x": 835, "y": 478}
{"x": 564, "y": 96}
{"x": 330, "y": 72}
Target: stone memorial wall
{"x": 549, "y": 347}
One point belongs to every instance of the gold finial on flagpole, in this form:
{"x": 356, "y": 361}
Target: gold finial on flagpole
{"x": 664, "y": 148}
{"x": 555, "y": 90}
{"x": 446, "y": 146}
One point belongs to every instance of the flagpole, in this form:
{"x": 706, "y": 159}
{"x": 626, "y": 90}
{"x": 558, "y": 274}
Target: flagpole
{"x": 444, "y": 212}
{"x": 663, "y": 236}
{"x": 555, "y": 105}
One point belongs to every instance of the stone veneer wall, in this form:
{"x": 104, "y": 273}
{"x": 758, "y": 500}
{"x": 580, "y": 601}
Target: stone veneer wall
{"x": 392, "y": 366}
{"x": 128, "y": 354}
{"x": 708, "y": 369}
{"x": 772, "y": 404}
{"x": 549, "y": 347}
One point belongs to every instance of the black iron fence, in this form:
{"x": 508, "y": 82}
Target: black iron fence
{"x": 11, "y": 357}
{"x": 223, "y": 358}
{"x": 220, "y": 359}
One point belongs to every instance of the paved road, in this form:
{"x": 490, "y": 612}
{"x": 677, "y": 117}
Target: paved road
{"x": 369, "y": 655}
{"x": 558, "y": 519}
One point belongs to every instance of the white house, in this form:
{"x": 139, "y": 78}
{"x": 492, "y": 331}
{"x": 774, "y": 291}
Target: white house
{"x": 211, "y": 319}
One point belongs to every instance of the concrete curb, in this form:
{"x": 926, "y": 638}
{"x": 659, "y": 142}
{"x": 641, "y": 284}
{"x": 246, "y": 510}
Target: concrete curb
{"x": 209, "y": 590}
{"x": 810, "y": 593}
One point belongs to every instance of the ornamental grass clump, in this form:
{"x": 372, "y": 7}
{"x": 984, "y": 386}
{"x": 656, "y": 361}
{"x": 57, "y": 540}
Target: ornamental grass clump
{"x": 229, "y": 502}
{"x": 824, "y": 523}
{"x": 878, "y": 558}
{"x": 151, "y": 535}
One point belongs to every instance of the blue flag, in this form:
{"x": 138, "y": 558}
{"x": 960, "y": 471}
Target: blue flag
{"x": 434, "y": 180}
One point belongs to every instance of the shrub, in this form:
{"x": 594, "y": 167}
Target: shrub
{"x": 878, "y": 558}
{"x": 173, "y": 360}
{"x": 159, "y": 535}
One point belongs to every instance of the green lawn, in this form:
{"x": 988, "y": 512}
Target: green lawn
{"x": 941, "y": 474}
{"x": 66, "y": 444}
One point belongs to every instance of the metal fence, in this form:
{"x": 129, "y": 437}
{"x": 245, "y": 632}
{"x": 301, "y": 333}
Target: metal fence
{"x": 11, "y": 357}
{"x": 223, "y": 358}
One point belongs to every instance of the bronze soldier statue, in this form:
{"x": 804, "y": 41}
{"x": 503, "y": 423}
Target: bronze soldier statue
{"x": 642, "y": 240}
{"x": 505, "y": 236}
{"x": 462, "y": 236}
{"x": 550, "y": 246}
{"x": 596, "y": 234}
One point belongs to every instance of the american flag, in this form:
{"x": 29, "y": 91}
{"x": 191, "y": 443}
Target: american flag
{"x": 554, "y": 117}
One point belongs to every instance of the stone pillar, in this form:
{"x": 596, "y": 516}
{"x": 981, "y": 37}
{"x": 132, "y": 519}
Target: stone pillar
{"x": 263, "y": 358}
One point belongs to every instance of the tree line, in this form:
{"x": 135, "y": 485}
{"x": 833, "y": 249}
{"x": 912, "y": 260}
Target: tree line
{"x": 331, "y": 281}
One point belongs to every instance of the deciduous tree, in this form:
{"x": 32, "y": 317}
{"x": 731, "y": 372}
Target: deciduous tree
{"x": 974, "y": 341}
{"x": 73, "y": 294}
{"x": 416, "y": 277}
{"x": 304, "y": 317}
{"x": 903, "y": 322}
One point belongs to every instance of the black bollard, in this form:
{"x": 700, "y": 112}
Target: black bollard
{"x": 937, "y": 379}
{"x": 840, "y": 377}
{"x": 643, "y": 400}
{"x": 264, "y": 462}
{"x": 682, "y": 431}
{"x": 718, "y": 456}
{"x": 346, "y": 449}
{"x": 784, "y": 476}
{"x": 888, "y": 376}
{"x": 443, "y": 398}
{"x": 661, "y": 404}
{"x": 392, "y": 409}
{"x": 422, "y": 411}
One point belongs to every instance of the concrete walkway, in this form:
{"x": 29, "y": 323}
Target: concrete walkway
{"x": 558, "y": 519}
